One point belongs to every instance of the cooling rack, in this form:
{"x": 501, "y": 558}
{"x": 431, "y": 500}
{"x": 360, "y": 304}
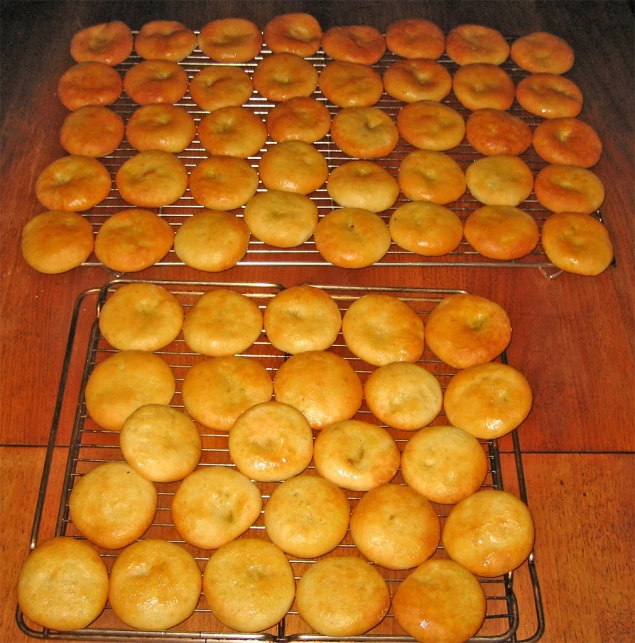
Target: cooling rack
{"x": 261, "y": 254}
{"x": 83, "y": 445}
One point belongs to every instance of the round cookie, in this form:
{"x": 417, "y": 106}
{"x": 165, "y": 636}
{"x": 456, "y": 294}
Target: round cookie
{"x": 89, "y": 83}
{"x": 468, "y": 44}
{"x": 356, "y": 455}
{"x": 342, "y": 596}
{"x": 218, "y": 390}
{"x": 493, "y": 131}
{"x": 108, "y": 42}
{"x": 222, "y": 322}
{"x": 542, "y": 52}
{"x": 488, "y": 400}
{"x": 567, "y": 188}
{"x": 430, "y": 126}
{"x": 92, "y": 130}
{"x": 404, "y": 396}
{"x": 440, "y": 601}
{"x": 214, "y": 505}
{"x": 271, "y": 442}
{"x": 160, "y": 443}
{"x": 152, "y": 179}
{"x": 415, "y": 38}
{"x": 125, "y": 381}
{"x": 444, "y": 464}
{"x": 347, "y": 84}
{"x": 481, "y": 86}
{"x": 223, "y": 182}
{"x": 298, "y": 119}
{"x": 132, "y": 240}
{"x": 425, "y": 228}
{"x": 578, "y": 243}
{"x": 295, "y": 33}
{"x": 549, "y": 96}
{"x": 249, "y": 584}
{"x": 156, "y": 81}
{"x": 63, "y": 584}
{"x": 232, "y": 40}
{"x": 160, "y": 127}
{"x": 141, "y": 316}
{"x": 490, "y": 533}
{"x": 232, "y": 131}
{"x": 501, "y": 232}
{"x": 279, "y": 77}
{"x": 428, "y": 175}
{"x": 320, "y": 384}
{"x": 74, "y": 183}
{"x": 364, "y": 132}
{"x": 499, "y": 180}
{"x": 415, "y": 80}
{"x": 381, "y": 329}
{"x": 154, "y": 585}
{"x": 281, "y": 219}
{"x": 293, "y": 166}
{"x": 307, "y": 516}
{"x": 164, "y": 40}
{"x": 352, "y": 238}
{"x": 302, "y": 318}
{"x": 220, "y": 86}
{"x": 56, "y": 241}
{"x": 354, "y": 43}
{"x": 112, "y": 505}
{"x": 212, "y": 240}
{"x": 395, "y": 527}
{"x": 464, "y": 330}
{"x": 363, "y": 184}
{"x": 567, "y": 141}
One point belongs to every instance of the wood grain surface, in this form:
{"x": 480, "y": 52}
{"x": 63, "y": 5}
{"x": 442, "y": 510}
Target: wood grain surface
{"x": 573, "y": 337}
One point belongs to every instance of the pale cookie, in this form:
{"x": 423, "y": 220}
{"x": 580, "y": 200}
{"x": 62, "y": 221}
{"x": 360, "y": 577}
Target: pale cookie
{"x": 444, "y": 464}
{"x": 271, "y": 442}
{"x": 342, "y": 596}
{"x": 395, "y": 527}
{"x": 404, "y": 396}
{"x": 160, "y": 127}
{"x": 356, "y": 455}
{"x": 320, "y": 384}
{"x": 307, "y": 516}
{"x": 464, "y": 330}
{"x": 217, "y": 390}
{"x": 57, "y": 241}
{"x": 212, "y": 240}
{"x": 500, "y": 180}
{"x": 112, "y": 505}
{"x": 125, "y": 381}
{"x": 490, "y": 533}
{"x": 154, "y": 585}
{"x": 160, "y": 443}
{"x": 302, "y": 318}
{"x": 222, "y": 322}
{"x": 141, "y": 316}
{"x": 249, "y": 585}
{"x": 363, "y": 184}
{"x": 440, "y": 601}
{"x": 381, "y": 329}
{"x": 63, "y": 584}
{"x": 214, "y": 505}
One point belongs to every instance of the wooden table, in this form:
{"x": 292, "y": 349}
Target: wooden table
{"x": 573, "y": 336}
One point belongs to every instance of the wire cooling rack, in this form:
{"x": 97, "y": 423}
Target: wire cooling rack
{"x": 261, "y": 254}
{"x": 89, "y": 446}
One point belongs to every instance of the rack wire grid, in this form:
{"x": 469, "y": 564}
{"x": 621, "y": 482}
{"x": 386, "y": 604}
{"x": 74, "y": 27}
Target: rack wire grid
{"x": 89, "y": 446}
{"x": 261, "y": 254}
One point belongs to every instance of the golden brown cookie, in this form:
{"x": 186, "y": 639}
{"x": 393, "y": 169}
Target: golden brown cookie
{"x": 89, "y": 83}
{"x": 567, "y": 141}
{"x": 549, "y": 96}
{"x": 430, "y": 126}
{"x": 160, "y": 127}
{"x": 354, "y": 43}
{"x": 164, "y": 40}
{"x": 108, "y": 42}
{"x": 232, "y": 131}
{"x": 364, "y": 132}
{"x": 279, "y": 77}
{"x": 567, "y": 188}
{"x": 293, "y": 166}
{"x": 92, "y": 130}
{"x": 348, "y": 84}
{"x": 295, "y": 33}
{"x": 481, "y": 86}
{"x": 540, "y": 52}
{"x": 493, "y": 131}
{"x": 415, "y": 80}
{"x": 155, "y": 81}
{"x": 299, "y": 119}
{"x": 467, "y": 44}
{"x": 415, "y": 38}
{"x": 428, "y": 175}
{"x": 220, "y": 86}
{"x": 233, "y": 40}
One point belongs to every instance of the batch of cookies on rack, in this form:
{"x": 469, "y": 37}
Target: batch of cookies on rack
{"x": 273, "y": 199}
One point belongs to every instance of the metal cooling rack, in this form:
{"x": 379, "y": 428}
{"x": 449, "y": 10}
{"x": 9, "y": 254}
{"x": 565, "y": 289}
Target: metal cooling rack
{"x": 260, "y": 254}
{"x": 89, "y": 445}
